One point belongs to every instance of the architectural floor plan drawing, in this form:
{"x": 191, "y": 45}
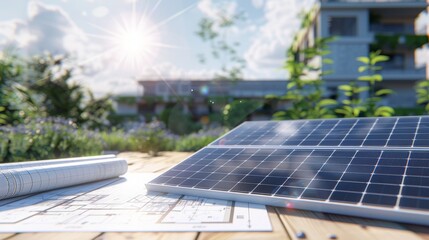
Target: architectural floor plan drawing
{"x": 123, "y": 204}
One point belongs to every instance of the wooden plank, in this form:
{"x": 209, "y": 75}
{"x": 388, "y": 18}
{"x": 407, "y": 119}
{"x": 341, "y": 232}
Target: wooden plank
{"x": 422, "y": 231}
{"x": 279, "y": 232}
{"x": 142, "y": 162}
{"x": 318, "y": 225}
{"x": 6, "y": 235}
{"x": 148, "y": 236}
{"x": 55, "y": 236}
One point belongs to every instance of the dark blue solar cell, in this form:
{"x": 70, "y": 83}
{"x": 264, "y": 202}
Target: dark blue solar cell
{"x": 361, "y": 168}
{"x": 316, "y": 194}
{"x": 351, "y": 186}
{"x": 328, "y": 176}
{"x": 244, "y": 187}
{"x": 348, "y": 197}
{"x": 206, "y": 184}
{"x": 381, "y": 200}
{"x": 390, "y": 170}
{"x": 297, "y": 182}
{"x": 391, "y": 179}
{"x": 414, "y": 203}
{"x": 356, "y": 177}
{"x": 190, "y": 182}
{"x": 291, "y": 192}
{"x": 224, "y": 186}
{"x": 274, "y": 180}
{"x": 216, "y": 176}
{"x": 383, "y": 189}
{"x": 416, "y": 181}
{"x": 334, "y": 168}
{"x": 415, "y": 191}
{"x": 323, "y": 184}
{"x": 252, "y": 179}
{"x": 265, "y": 189}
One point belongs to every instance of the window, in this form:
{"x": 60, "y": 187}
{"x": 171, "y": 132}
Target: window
{"x": 343, "y": 26}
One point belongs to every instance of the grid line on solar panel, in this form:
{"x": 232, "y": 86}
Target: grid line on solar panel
{"x": 367, "y": 183}
{"x": 379, "y": 132}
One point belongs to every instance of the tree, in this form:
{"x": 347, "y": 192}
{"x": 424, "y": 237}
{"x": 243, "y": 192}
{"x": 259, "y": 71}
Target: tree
{"x": 370, "y": 107}
{"x": 57, "y": 95}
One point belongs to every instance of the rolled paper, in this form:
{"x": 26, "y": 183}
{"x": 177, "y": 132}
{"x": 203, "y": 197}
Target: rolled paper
{"x": 34, "y": 179}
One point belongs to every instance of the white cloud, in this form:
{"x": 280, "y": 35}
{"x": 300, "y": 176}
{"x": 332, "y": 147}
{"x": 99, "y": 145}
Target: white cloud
{"x": 267, "y": 51}
{"x": 258, "y": 3}
{"x": 100, "y": 11}
{"x": 215, "y": 10}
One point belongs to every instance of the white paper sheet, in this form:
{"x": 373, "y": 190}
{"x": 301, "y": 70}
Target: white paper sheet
{"x": 123, "y": 204}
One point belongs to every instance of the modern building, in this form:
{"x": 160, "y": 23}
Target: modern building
{"x": 202, "y": 98}
{"x": 361, "y": 26}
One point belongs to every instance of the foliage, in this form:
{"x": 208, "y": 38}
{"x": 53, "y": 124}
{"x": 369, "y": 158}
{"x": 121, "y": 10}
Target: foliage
{"x": 15, "y": 101}
{"x": 422, "y": 89}
{"x": 238, "y": 111}
{"x": 153, "y": 141}
{"x": 178, "y": 122}
{"x": 411, "y": 41}
{"x": 306, "y": 94}
{"x": 45, "y": 139}
{"x": 370, "y": 107}
{"x": 215, "y": 32}
{"x": 196, "y": 141}
{"x": 51, "y": 81}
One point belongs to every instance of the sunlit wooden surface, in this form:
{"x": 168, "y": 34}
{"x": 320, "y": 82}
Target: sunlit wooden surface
{"x": 286, "y": 223}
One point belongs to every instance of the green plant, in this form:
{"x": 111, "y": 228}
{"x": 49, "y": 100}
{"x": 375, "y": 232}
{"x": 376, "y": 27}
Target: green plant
{"x": 152, "y": 138}
{"x": 196, "y": 141}
{"x": 306, "y": 94}
{"x": 16, "y": 103}
{"x": 179, "y": 122}
{"x": 370, "y": 107}
{"x": 422, "y": 89}
{"x": 237, "y": 111}
{"x": 193, "y": 143}
{"x": 352, "y": 106}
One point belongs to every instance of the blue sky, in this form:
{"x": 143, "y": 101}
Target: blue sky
{"x": 80, "y": 28}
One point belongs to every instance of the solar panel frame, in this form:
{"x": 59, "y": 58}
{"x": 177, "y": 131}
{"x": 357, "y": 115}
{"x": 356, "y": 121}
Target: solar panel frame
{"x": 372, "y": 192}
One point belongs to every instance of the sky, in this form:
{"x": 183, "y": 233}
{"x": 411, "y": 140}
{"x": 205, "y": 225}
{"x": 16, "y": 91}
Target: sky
{"x": 97, "y": 34}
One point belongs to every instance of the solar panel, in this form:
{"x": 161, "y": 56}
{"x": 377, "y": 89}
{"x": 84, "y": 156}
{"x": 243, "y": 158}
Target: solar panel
{"x": 369, "y": 167}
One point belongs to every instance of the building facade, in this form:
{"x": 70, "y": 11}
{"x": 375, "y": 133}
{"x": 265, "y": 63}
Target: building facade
{"x": 361, "y": 26}
{"x": 201, "y": 98}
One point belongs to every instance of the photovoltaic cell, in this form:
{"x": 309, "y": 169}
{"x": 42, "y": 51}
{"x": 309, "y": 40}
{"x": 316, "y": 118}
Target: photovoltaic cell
{"x": 344, "y": 165}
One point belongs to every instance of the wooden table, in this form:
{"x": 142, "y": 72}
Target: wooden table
{"x": 286, "y": 223}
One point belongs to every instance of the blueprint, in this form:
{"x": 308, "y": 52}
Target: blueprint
{"x": 123, "y": 204}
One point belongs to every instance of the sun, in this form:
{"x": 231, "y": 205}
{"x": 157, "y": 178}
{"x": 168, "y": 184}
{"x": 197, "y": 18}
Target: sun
{"x": 134, "y": 41}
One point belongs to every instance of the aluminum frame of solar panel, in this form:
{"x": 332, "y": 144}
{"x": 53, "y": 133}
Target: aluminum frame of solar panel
{"x": 398, "y": 179}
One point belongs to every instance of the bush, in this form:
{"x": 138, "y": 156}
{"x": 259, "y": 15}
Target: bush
{"x": 118, "y": 140}
{"x": 196, "y": 141}
{"x": 153, "y": 138}
{"x": 46, "y": 139}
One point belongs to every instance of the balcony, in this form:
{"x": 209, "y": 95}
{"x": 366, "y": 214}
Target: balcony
{"x": 421, "y": 4}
